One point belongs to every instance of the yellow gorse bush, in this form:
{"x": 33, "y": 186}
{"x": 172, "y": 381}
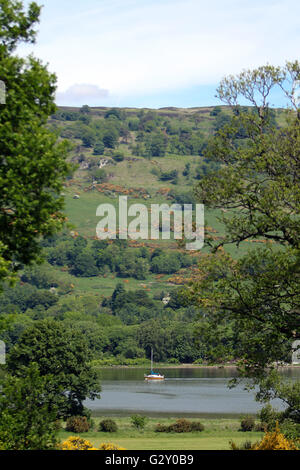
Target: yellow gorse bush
{"x": 271, "y": 441}
{"x": 275, "y": 441}
{"x": 78, "y": 443}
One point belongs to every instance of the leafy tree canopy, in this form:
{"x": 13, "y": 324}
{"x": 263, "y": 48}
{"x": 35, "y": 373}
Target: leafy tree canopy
{"x": 27, "y": 420}
{"x": 63, "y": 353}
{"x": 33, "y": 165}
{"x": 257, "y": 186}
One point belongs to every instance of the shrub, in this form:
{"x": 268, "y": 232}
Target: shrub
{"x": 169, "y": 175}
{"x": 269, "y": 416}
{"x": 290, "y": 430}
{"x": 118, "y": 157}
{"x": 181, "y": 425}
{"x": 98, "y": 174}
{"x": 271, "y": 441}
{"x": 197, "y": 426}
{"x": 247, "y": 424}
{"x": 138, "y": 421}
{"x": 261, "y": 427}
{"x": 275, "y": 441}
{"x": 162, "y": 428}
{"x": 77, "y": 424}
{"x": 108, "y": 425}
{"x": 77, "y": 443}
{"x": 99, "y": 148}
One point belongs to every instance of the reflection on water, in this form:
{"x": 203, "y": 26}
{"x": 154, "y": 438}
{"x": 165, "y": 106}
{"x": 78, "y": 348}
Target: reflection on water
{"x": 184, "y": 392}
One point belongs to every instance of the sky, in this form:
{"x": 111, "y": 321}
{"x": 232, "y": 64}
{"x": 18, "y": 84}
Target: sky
{"x": 157, "y": 53}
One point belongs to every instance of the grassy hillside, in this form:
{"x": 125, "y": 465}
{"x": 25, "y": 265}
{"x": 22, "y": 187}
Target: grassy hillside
{"x": 121, "y": 294}
{"x": 139, "y": 174}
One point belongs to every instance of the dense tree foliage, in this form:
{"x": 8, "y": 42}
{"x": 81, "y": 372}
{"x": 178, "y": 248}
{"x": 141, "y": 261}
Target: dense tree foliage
{"x": 33, "y": 165}
{"x": 104, "y": 256}
{"x": 111, "y": 326}
{"x": 62, "y": 352}
{"x": 27, "y": 418}
{"x": 258, "y": 187}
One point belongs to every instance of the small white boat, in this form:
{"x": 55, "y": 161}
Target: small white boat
{"x": 153, "y": 375}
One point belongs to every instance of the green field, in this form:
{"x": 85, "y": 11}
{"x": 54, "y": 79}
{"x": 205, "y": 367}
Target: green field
{"x": 216, "y": 436}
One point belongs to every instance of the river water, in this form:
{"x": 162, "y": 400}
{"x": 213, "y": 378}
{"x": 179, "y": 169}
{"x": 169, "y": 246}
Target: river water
{"x": 188, "y": 392}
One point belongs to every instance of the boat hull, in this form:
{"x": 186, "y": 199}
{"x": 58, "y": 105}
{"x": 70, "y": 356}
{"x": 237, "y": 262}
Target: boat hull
{"x": 154, "y": 377}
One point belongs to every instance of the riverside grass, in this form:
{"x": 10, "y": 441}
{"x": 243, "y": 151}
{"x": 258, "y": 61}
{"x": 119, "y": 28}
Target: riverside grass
{"x": 216, "y": 436}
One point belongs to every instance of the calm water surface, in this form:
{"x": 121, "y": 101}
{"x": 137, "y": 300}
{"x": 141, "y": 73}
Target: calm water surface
{"x": 184, "y": 392}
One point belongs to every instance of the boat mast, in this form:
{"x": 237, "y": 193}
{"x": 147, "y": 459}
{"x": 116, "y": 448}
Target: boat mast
{"x": 151, "y": 359}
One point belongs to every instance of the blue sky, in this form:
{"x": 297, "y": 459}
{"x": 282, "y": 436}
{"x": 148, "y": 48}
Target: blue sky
{"x": 155, "y": 53}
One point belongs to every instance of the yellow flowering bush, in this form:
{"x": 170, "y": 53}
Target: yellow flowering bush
{"x": 78, "y": 443}
{"x": 271, "y": 441}
{"x": 275, "y": 441}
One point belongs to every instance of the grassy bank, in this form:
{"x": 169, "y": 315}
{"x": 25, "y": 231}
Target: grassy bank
{"x": 216, "y": 435}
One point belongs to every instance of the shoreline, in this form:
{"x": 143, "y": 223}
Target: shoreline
{"x": 187, "y": 366}
{"x": 166, "y": 415}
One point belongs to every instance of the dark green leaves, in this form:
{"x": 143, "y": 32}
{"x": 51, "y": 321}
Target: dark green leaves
{"x": 257, "y": 187}
{"x": 32, "y": 163}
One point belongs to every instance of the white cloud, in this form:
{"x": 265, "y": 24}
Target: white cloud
{"x": 141, "y": 47}
{"x": 82, "y": 93}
